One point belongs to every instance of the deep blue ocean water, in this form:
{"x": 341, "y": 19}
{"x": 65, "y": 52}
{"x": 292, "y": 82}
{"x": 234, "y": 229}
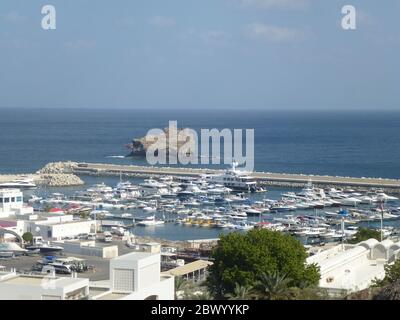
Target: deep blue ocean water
{"x": 334, "y": 143}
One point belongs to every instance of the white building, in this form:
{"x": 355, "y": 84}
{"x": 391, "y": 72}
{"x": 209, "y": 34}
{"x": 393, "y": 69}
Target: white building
{"x": 11, "y": 203}
{"x": 353, "y": 268}
{"x": 58, "y": 227}
{"x": 136, "y": 276}
{"x": 27, "y": 287}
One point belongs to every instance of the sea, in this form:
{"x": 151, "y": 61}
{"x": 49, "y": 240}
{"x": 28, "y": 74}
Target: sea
{"x": 345, "y": 143}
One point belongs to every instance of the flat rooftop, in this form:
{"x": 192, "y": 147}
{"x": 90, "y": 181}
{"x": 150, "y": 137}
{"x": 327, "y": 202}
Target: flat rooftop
{"x": 358, "y": 276}
{"x": 25, "y": 280}
{"x": 189, "y": 268}
{"x": 134, "y": 256}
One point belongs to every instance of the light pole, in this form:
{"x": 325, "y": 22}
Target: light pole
{"x": 381, "y": 220}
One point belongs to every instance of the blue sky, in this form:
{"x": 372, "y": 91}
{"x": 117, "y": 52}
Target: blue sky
{"x": 264, "y": 54}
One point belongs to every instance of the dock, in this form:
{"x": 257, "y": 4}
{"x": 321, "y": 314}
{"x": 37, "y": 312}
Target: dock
{"x": 268, "y": 178}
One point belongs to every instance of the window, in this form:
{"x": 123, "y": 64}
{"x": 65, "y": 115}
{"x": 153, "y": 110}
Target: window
{"x": 12, "y": 199}
{"x": 6, "y": 200}
{"x": 19, "y": 199}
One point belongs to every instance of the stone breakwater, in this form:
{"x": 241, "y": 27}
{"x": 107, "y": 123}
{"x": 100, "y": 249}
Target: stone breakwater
{"x": 52, "y": 175}
{"x": 58, "y": 168}
{"x": 59, "y": 174}
{"x": 60, "y": 180}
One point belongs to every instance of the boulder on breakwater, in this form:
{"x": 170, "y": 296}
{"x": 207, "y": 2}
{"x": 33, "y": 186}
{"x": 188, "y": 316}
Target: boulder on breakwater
{"x": 60, "y": 180}
{"x": 58, "y": 167}
{"x": 59, "y": 174}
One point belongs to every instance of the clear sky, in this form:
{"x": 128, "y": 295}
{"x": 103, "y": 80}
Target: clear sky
{"x": 266, "y": 54}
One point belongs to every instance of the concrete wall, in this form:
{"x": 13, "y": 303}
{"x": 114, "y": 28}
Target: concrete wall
{"x": 163, "y": 290}
{"x": 44, "y": 290}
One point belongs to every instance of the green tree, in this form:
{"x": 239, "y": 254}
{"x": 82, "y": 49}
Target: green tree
{"x": 241, "y": 293}
{"x": 308, "y": 293}
{"x": 27, "y": 236}
{"x": 365, "y": 234}
{"x": 203, "y": 295}
{"x": 181, "y": 285}
{"x": 273, "y": 286}
{"x": 392, "y": 275}
{"x": 242, "y": 258}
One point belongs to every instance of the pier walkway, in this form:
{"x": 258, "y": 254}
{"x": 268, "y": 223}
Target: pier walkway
{"x": 111, "y": 169}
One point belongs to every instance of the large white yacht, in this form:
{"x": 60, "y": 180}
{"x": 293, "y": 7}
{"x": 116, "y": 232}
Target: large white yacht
{"x": 235, "y": 179}
{"x": 19, "y": 184}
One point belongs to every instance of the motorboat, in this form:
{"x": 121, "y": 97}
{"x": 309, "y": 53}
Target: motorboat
{"x": 149, "y": 209}
{"x": 385, "y": 197}
{"x": 39, "y": 244}
{"x": 350, "y": 201}
{"x": 150, "y": 221}
{"x": 10, "y": 249}
{"x": 252, "y": 211}
{"x": 19, "y": 184}
{"x": 243, "y": 226}
{"x": 235, "y": 179}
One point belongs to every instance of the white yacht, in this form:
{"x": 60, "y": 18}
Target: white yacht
{"x": 351, "y": 201}
{"x": 150, "y": 221}
{"x": 235, "y": 179}
{"x": 19, "y": 184}
{"x": 100, "y": 188}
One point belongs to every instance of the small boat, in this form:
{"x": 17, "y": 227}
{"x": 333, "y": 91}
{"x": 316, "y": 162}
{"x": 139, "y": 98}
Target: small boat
{"x": 39, "y": 244}
{"x": 252, "y": 211}
{"x": 150, "y": 221}
{"x": 150, "y": 209}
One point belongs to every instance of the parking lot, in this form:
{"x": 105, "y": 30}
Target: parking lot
{"x": 24, "y": 264}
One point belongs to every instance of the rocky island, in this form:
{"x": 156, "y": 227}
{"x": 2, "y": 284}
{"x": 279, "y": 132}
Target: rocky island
{"x": 139, "y": 146}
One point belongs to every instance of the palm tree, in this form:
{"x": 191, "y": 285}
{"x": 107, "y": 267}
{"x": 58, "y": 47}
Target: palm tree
{"x": 240, "y": 293}
{"x": 273, "y": 286}
{"x": 204, "y": 295}
{"x": 180, "y": 285}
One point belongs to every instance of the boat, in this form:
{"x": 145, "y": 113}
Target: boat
{"x": 252, "y": 211}
{"x": 10, "y": 250}
{"x": 150, "y": 221}
{"x": 234, "y": 179}
{"x": 19, "y": 184}
{"x": 39, "y": 244}
{"x": 243, "y": 226}
{"x": 351, "y": 201}
{"x": 150, "y": 209}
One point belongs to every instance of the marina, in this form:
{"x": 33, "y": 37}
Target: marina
{"x": 269, "y": 178}
{"x": 197, "y": 206}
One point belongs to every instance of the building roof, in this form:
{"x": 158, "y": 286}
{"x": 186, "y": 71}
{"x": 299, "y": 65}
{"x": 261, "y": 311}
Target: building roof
{"x": 341, "y": 258}
{"x": 57, "y": 282}
{"x": 134, "y": 256}
{"x": 7, "y": 224}
{"x": 189, "y": 268}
